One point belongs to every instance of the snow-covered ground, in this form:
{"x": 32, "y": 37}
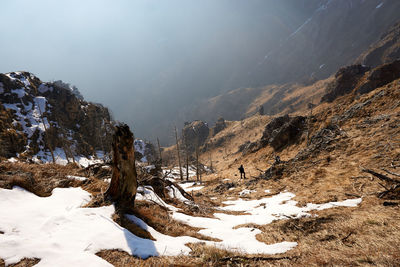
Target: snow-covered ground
{"x": 174, "y": 172}
{"x": 61, "y": 158}
{"x": 59, "y": 231}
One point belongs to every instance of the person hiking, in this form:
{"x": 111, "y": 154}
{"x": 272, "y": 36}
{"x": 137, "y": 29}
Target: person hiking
{"x": 242, "y": 173}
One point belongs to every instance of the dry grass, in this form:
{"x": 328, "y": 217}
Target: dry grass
{"x": 39, "y": 179}
{"x": 159, "y": 218}
{"x": 23, "y": 263}
{"x": 123, "y": 259}
{"x": 366, "y": 235}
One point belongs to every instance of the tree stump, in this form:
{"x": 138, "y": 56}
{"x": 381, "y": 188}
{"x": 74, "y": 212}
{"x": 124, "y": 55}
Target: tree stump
{"x": 123, "y": 184}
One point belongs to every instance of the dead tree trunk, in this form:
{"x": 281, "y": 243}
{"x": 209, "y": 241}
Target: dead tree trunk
{"x": 197, "y": 161}
{"x": 67, "y": 146}
{"x": 187, "y": 155}
{"x": 211, "y": 164}
{"x": 310, "y": 107}
{"x": 159, "y": 150}
{"x": 123, "y": 184}
{"x": 179, "y": 155}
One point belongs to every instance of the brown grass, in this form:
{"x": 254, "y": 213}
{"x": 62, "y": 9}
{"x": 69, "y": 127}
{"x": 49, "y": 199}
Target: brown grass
{"x": 123, "y": 259}
{"x": 158, "y": 218}
{"x": 39, "y": 179}
{"x": 23, "y": 263}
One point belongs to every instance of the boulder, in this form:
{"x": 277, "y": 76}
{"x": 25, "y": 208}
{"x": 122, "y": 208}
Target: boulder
{"x": 283, "y": 131}
{"x": 346, "y": 79}
{"x": 380, "y": 76}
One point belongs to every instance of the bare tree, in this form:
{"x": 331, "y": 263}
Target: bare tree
{"x": 310, "y": 108}
{"x": 186, "y": 154}
{"x": 198, "y": 174}
{"x": 211, "y": 163}
{"x": 159, "y": 150}
{"x": 179, "y": 154}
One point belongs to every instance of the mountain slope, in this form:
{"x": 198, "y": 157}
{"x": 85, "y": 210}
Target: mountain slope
{"x": 385, "y": 50}
{"x": 334, "y": 35}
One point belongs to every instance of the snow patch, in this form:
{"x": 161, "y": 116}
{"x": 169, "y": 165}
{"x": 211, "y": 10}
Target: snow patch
{"x": 174, "y": 172}
{"x": 174, "y": 192}
{"x": 380, "y": 5}
{"x": 189, "y": 187}
{"x": 78, "y": 178}
{"x": 61, "y": 158}
{"x": 43, "y": 88}
{"x": 146, "y": 193}
{"x": 260, "y": 212}
{"x": 19, "y": 92}
{"x": 245, "y": 192}
{"x": 12, "y": 160}
{"x": 140, "y": 146}
{"x": 65, "y": 234}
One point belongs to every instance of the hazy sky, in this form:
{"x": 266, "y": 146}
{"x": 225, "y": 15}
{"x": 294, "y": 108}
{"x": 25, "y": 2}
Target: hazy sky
{"x": 144, "y": 59}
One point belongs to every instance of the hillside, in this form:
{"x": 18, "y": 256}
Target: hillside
{"x": 290, "y": 97}
{"x": 315, "y": 206}
{"x": 321, "y": 160}
{"x": 350, "y": 134}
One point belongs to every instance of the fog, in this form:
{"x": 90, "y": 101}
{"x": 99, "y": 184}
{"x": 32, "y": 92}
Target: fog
{"x": 146, "y": 60}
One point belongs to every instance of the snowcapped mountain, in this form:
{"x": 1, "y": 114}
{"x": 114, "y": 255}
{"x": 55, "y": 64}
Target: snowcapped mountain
{"x": 40, "y": 118}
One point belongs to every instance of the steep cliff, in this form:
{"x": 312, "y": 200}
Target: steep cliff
{"x": 38, "y": 117}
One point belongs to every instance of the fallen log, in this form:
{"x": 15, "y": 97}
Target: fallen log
{"x": 392, "y": 173}
{"x": 159, "y": 184}
{"x": 381, "y": 176}
{"x": 254, "y": 259}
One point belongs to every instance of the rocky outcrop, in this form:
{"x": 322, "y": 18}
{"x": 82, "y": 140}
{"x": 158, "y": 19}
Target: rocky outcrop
{"x": 380, "y": 76}
{"x": 219, "y": 126}
{"x": 346, "y": 79}
{"x": 361, "y": 80}
{"x": 385, "y": 50}
{"x": 36, "y": 116}
{"x": 283, "y": 131}
{"x": 195, "y": 133}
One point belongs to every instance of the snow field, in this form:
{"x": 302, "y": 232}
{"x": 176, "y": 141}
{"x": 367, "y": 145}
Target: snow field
{"x": 60, "y": 232}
